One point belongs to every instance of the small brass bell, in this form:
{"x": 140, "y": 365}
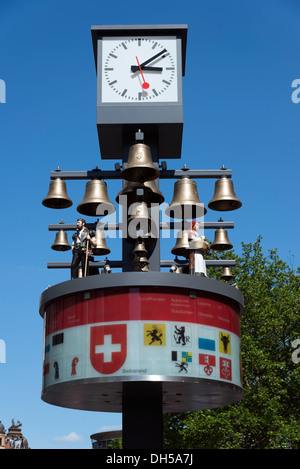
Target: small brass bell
{"x": 139, "y": 211}
{"x": 101, "y": 246}
{"x": 185, "y": 203}
{"x": 224, "y": 198}
{"x": 57, "y": 196}
{"x": 182, "y": 246}
{"x": 95, "y": 200}
{"x": 139, "y": 221}
{"x": 140, "y": 167}
{"x": 140, "y": 263}
{"x": 140, "y": 260}
{"x": 61, "y": 242}
{"x": 226, "y": 274}
{"x": 139, "y": 248}
{"x": 221, "y": 241}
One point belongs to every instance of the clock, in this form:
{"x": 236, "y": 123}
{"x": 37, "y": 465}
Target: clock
{"x": 139, "y": 87}
{"x": 139, "y": 69}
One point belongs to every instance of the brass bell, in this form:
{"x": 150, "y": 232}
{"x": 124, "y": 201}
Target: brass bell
{"x": 57, "y": 196}
{"x": 140, "y": 264}
{"x": 185, "y": 203}
{"x": 139, "y": 211}
{"x": 139, "y": 248}
{"x": 154, "y": 196}
{"x": 101, "y": 246}
{"x": 224, "y": 198}
{"x": 61, "y": 242}
{"x": 221, "y": 241}
{"x": 138, "y": 268}
{"x": 95, "y": 200}
{"x": 226, "y": 274}
{"x": 139, "y": 223}
{"x": 140, "y": 167}
{"x": 140, "y": 260}
{"x": 182, "y": 246}
{"x": 137, "y": 191}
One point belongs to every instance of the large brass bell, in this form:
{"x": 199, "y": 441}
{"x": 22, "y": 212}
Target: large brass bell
{"x": 221, "y": 241}
{"x": 182, "y": 246}
{"x": 140, "y": 167}
{"x": 135, "y": 191}
{"x": 224, "y": 198}
{"x": 95, "y": 200}
{"x": 57, "y": 196}
{"x": 101, "y": 246}
{"x": 61, "y": 242}
{"x": 226, "y": 274}
{"x": 185, "y": 203}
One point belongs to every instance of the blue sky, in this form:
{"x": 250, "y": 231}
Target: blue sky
{"x": 242, "y": 57}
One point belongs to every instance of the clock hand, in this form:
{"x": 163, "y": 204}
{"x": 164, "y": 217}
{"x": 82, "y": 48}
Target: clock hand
{"x": 145, "y": 85}
{"x": 135, "y": 68}
{"x": 148, "y": 61}
{"x": 152, "y": 58}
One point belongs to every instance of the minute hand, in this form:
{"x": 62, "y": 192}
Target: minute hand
{"x": 151, "y": 59}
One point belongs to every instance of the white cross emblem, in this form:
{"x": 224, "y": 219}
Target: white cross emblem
{"x": 108, "y": 348}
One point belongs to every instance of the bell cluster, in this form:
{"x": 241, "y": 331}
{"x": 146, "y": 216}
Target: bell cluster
{"x": 140, "y": 192}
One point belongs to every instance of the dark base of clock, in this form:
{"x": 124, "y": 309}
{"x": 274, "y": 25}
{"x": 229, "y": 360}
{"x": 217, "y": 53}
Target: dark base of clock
{"x": 165, "y": 140}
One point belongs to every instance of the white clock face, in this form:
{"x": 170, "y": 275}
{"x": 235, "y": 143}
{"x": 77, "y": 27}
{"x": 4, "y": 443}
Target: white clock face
{"x": 141, "y": 69}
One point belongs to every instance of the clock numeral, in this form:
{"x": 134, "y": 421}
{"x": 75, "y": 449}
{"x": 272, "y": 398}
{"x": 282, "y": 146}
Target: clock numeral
{"x": 166, "y": 82}
{"x": 155, "y": 92}
{"x": 154, "y": 45}
{"x": 124, "y": 92}
{"x": 140, "y": 96}
{"x": 124, "y": 45}
{"x": 113, "y": 55}
{"x": 170, "y": 68}
{"x": 112, "y": 82}
{"x": 108, "y": 69}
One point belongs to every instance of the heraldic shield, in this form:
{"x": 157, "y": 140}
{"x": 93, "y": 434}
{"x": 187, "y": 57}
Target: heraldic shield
{"x": 108, "y": 347}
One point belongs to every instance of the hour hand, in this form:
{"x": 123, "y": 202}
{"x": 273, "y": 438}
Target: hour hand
{"x": 135, "y": 68}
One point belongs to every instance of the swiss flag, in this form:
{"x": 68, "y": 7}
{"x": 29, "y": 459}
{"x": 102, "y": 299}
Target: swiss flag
{"x": 108, "y": 347}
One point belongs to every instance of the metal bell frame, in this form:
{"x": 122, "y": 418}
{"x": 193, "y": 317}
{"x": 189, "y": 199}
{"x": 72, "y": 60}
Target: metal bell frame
{"x": 141, "y": 152}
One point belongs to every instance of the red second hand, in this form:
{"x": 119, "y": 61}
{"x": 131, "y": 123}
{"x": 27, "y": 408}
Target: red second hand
{"x": 145, "y": 85}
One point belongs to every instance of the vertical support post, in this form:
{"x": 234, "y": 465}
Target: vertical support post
{"x": 142, "y": 415}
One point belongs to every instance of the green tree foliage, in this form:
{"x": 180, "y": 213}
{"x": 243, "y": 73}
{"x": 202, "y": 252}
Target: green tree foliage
{"x": 268, "y": 417}
{"x": 115, "y": 444}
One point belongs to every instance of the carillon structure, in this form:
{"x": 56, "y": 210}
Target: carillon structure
{"x": 142, "y": 340}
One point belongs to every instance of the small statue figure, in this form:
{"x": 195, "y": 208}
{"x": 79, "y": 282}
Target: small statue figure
{"x": 197, "y": 264}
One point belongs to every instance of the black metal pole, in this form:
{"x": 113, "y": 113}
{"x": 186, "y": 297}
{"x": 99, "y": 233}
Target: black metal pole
{"x": 142, "y": 415}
